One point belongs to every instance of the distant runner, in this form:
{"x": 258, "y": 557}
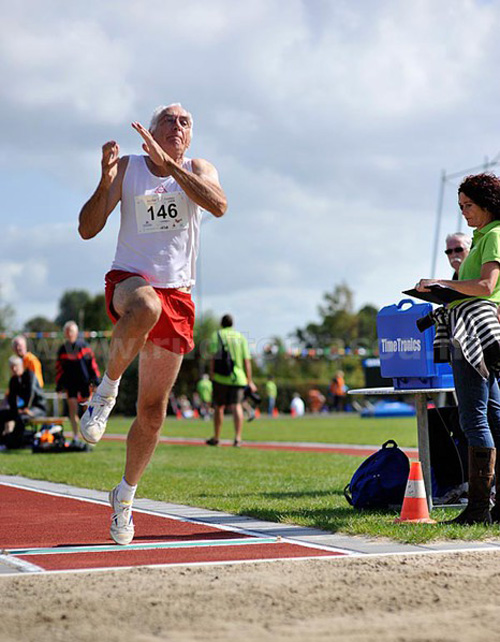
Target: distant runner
{"x": 148, "y": 290}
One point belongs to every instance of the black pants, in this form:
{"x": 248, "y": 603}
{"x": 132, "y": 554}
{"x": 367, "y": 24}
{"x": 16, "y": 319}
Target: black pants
{"x": 16, "y": 438}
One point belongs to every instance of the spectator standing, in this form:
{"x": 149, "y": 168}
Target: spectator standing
{"x": 204, "y": 388}
{"x": 469, "y": 331}
{"x": 30, "y": 361}
{"x": 297, "y": 405}
{"x": 77, "y": 372}
{"x": 457, "y": 250}
{"x": 25, "y": 401}
{"x": 338, "y": 391}
{"x": 272, "y": 393}
{"x": 228, "y": 389}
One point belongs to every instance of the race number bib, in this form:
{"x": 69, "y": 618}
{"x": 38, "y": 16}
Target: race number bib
{"x": 167, "y": 212}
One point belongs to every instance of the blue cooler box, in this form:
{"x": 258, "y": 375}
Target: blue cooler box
{"x": 406, "y": 354}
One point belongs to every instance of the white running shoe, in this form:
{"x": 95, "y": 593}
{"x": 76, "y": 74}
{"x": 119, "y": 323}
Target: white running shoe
{"x": 93, "y": 422}
{"x": 122, "y": 524}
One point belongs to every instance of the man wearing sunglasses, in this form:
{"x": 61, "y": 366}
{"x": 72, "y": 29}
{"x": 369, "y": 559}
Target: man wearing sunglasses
{"x": 457, "y": 249}
{"x": 148, "y": 289}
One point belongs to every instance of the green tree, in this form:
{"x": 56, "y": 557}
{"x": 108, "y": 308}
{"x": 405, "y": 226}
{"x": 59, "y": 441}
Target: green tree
{"x": 95, "y": 316}
{"x": 7, "y": 316}
{"x": 340, "y": 331}
{"x": 72, "y": 307}
{"x": 88, "y": 311}
{"x": 40, "y": 324}
{"x": 340, "y": 325}
{"x": 367, "y": 325}
{"x": 196, "y": 362}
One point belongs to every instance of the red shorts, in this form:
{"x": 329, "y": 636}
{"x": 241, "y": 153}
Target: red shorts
{"x": 174, "y": 330}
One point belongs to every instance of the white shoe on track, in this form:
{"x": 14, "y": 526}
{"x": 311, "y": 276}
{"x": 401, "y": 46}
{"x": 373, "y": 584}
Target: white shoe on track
{"x": 93, "y": 423}
{"x": 122, "y": 524}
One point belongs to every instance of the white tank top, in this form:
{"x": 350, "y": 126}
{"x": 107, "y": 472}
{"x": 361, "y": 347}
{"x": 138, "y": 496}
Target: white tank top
{"x": 159, "y": 234}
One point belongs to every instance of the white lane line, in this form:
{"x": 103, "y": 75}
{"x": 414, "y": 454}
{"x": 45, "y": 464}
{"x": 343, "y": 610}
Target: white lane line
{"x": 146, "y": 546}
{"x": 22, "y": 565}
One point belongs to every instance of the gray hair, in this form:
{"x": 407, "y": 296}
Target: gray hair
{"x": 159, "y": 111}
{"x": 19, "y": 337}
{"x": 69, "y": 324}
{"x": 464, "y": 238}
{"x": 15, "y": 361}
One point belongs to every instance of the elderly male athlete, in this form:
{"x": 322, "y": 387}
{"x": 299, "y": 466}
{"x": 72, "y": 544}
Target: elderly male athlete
{"x": 148, "y": 287}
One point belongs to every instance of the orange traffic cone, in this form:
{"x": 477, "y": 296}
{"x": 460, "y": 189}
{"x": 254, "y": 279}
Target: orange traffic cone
{"x": 178, "y": 414}
{"x": 415, "y": 507}
{"x": 293, "y": 412}
{"x": 257, "y": 413}
{"x": 275, "y": 412}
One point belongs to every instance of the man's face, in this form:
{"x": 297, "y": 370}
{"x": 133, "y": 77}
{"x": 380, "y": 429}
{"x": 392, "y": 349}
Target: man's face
{"x": 71, "y": 333}
{"x": 173, "y": 131}
{"x": 17, "y": 369}
{"x": 456, "y": 251}
{"x": 19, "y": 347}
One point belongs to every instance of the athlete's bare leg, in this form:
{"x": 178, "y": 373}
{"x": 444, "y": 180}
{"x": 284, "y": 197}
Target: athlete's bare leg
{"x": 238, "y": 420}
{"x": 73, "y": 415}
{"x": 158, "y": 369}
{"x": 139, "y": 308}
{"x": 218, "y": 419}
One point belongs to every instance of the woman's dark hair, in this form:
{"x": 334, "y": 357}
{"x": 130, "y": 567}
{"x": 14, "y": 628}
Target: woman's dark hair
{"x": 484, "y": 191}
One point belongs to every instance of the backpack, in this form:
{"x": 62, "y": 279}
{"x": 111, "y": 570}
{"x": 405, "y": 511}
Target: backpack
{"x": 50, "y": 439}
{"x": 223, "y": 362}
{"x": 380, "y": 481}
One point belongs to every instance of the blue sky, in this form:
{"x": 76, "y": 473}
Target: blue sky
{"x": 329, "y": 122}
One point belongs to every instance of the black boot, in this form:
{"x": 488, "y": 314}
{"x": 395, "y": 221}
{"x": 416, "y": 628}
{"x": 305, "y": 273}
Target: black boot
{"x": 481, "y": 473}
{"x": 495, "y": 511}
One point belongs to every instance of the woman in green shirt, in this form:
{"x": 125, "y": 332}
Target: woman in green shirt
{"x": 475, "y": 342}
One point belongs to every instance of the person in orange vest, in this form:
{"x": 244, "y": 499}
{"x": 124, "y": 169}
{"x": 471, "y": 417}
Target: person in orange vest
{"x": 337, "y": 391}
{"x": 30, "y": 362}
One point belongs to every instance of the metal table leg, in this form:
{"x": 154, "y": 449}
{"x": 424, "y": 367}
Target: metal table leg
{"x": 423, "y": 442}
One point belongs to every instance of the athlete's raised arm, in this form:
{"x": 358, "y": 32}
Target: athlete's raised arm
{"x": 95, "y": 212}
{"x": 201, "y": 185}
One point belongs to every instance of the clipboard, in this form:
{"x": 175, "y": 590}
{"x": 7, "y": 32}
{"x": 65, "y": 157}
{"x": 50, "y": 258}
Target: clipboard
{"x": 438, "y": 294}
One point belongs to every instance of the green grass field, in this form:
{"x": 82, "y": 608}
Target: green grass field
{"x": 300, "y": 488}
{"x": 338, "y": 429}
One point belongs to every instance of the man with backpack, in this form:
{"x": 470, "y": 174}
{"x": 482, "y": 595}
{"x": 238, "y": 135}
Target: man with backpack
{"x": 231, "y": 372}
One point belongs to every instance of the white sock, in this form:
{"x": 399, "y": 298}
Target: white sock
{"x": 108, "y": 387}
{"x": 125, "y": 492}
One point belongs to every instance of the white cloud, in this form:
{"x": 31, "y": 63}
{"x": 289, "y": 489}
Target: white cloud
{"x": 74, "y": 66}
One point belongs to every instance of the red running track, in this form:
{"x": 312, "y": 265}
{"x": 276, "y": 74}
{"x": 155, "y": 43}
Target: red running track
{"x": 310, "y": 447}
{"x": 32, "y": 519}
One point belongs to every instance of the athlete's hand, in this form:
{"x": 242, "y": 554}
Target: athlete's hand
{"x": 156, "y": 153}
{"x": 109, "y": 161}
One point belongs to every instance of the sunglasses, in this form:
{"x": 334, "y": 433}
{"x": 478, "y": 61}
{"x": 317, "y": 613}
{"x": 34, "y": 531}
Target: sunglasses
{"x": 457, "y": 250}
{"x": 184, "y": 121}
